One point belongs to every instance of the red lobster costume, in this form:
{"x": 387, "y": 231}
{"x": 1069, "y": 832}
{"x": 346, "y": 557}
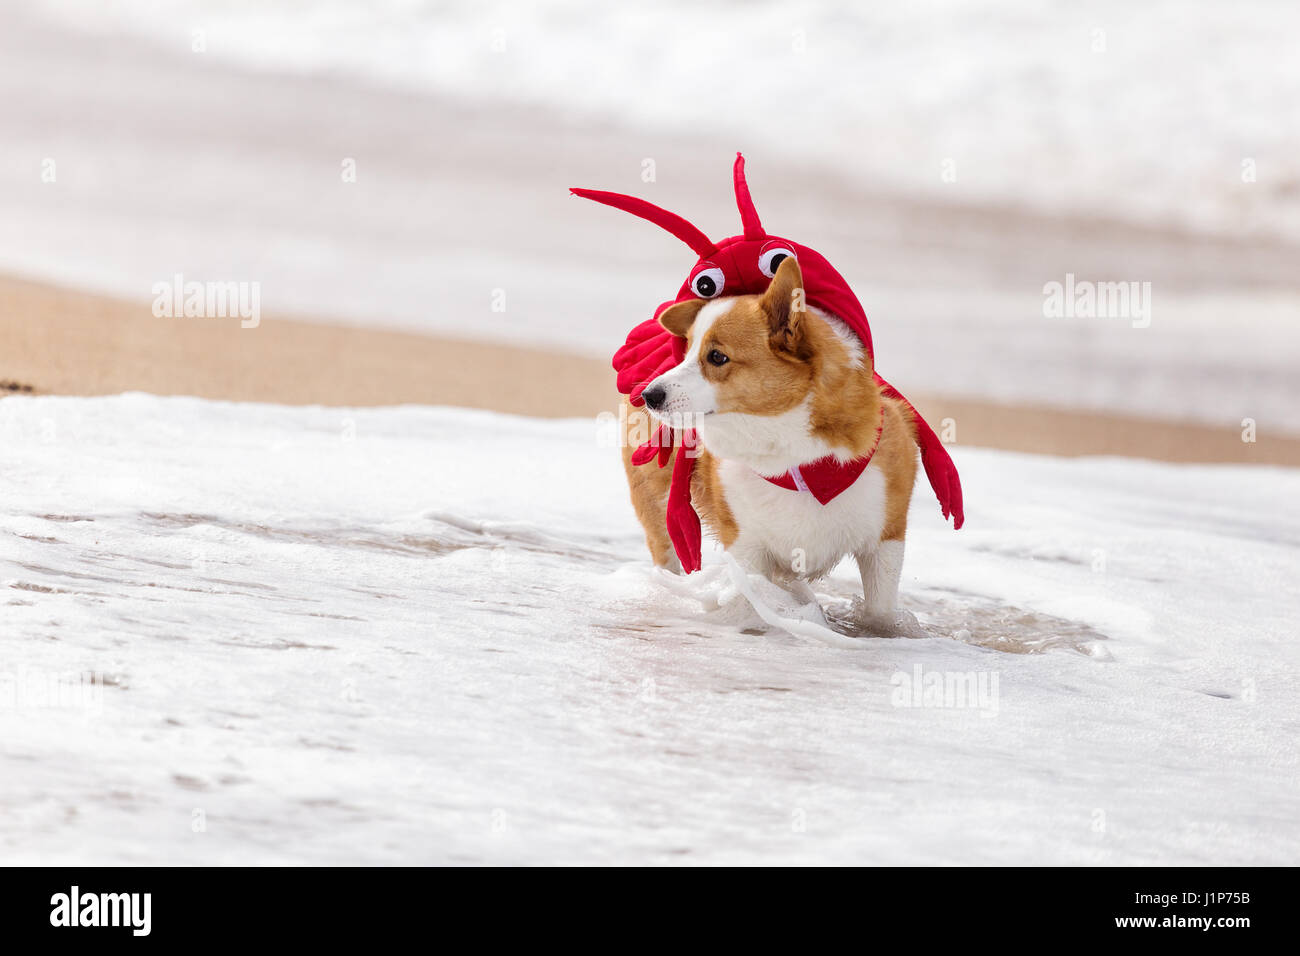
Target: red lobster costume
{"x": 741, "y": 265}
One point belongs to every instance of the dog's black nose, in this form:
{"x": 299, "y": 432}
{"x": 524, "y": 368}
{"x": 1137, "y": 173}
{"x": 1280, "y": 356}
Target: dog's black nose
{"x": 654, "y": 396}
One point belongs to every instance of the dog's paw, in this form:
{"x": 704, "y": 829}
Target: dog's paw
{"x": 888, "y": 623}
{"x": 790, "y": 600}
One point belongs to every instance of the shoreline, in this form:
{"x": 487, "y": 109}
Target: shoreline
{"x": 56, "y": 340}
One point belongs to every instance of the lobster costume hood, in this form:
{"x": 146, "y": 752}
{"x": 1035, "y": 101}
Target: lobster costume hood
{"x": 742, "y": 265}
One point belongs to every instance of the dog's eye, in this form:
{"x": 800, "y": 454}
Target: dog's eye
{"x": 770, "y": 260}
{"x": 708, "y": 283}
{"x": 717, "y": 358}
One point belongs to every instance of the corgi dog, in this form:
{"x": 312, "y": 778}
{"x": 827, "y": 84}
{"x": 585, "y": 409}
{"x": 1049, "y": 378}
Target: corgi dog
{"x": 801, "y": 460}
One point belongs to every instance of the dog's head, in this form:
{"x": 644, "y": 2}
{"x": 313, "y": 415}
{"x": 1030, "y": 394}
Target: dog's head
{"x": 749, "y": 354}
{"x": 763, "y": 376}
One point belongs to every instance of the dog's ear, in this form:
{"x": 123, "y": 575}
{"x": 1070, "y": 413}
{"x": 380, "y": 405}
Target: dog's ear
{"x": 786, "y": 308}
{"x": 679, "y": 318}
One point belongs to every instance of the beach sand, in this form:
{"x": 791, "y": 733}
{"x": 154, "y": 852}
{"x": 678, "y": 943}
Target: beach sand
{"x": 55, "y": 340}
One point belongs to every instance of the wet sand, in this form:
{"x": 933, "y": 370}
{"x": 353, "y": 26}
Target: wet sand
{"x": 55, "y": 340}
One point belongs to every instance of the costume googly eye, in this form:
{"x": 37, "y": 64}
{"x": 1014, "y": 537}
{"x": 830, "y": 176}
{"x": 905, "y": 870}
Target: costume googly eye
{"x": 770, "y": 259}
{"x": 708, "y": 283}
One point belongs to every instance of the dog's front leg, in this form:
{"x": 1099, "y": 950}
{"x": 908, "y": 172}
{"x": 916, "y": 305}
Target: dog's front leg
{"x": 797, "y": 587}
{"x": 756, "y": 557}
{"x": 881, "y": 569}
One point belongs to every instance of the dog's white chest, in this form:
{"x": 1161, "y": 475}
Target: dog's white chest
{"x": 792, "y": 530}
